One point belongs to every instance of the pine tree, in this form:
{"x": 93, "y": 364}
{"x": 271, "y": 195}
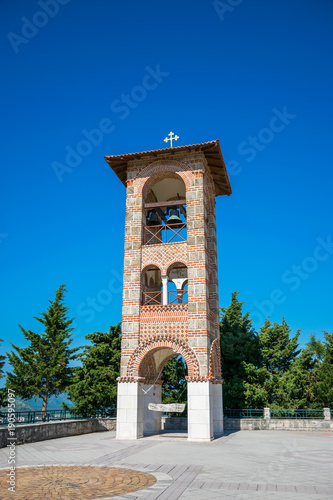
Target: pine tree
{"x": 240, "y": 354}
{"x": 295, "y": 387}
{"x": 324, "y": 390}
{"x": 279, "y": 353}
{"x": 42, "y": 368}
{"x": 314, "y": 351}
{"x": 316, "y": 348}
{"x": 278, "y": 350}
{"x": 94, "y": 386}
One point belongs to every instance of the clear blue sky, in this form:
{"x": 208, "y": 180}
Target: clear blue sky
{"x": 258, "y": 77}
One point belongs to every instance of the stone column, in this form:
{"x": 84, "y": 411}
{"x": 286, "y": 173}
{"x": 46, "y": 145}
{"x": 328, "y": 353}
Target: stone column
{"x": 217, "y": 405}
{"x": 198, "y": 316}
{"x": 267, "y": 413}
{"x": 327, "y": 414}
{"x": 132, "y": 277}
{"x": 200, "y": 415}
{"x": 129, "y": 411}
{"x": 164, "y": 290}
{"x": 151, "y": 419}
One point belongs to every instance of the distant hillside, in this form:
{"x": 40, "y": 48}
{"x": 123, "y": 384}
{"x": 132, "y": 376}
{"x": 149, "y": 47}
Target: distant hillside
{"x": 52, "y": 404}
{"x": 21, "y": 406}
{"x": 35, "y": 404}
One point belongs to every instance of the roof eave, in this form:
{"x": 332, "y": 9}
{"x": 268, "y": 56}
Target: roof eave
{"x": 119, "y": 163}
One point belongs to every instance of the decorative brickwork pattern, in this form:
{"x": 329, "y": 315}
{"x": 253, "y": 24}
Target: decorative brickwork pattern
{"x": 154, "y": 344}
{"x": 163, "y": 255}
{"x": 159, "y": 170}
{"x": 163, "y": 320}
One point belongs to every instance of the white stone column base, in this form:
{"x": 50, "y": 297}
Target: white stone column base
{"x": 129, "y": 411}
{"x": 151, "y": 419}
{"x": 217, "y": 409}
{"x": 200, "y": 414}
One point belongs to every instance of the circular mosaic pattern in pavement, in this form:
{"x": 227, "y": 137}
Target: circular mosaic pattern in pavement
{"x": 73, "y": 483}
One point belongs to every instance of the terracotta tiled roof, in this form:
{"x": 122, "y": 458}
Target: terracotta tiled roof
{"x": 211, "y": 150}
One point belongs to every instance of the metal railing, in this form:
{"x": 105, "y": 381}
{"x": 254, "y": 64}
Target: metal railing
{"x": 295, "y": 414}
{"x": 274, "y": 413}
{"x": 243, "y": 413}
{"x": 177, "y": 297}
{"x": 32, "y": 417}
{"x": 152, "y": 298}
{"x": 155, "y": 235}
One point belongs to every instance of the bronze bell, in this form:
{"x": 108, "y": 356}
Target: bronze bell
{"x": 174, "y": 218}
{"x": 152, "y": 218}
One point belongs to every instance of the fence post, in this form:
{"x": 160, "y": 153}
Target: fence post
{"x": 267, "y": 413}
{"x": 327, "y": 414}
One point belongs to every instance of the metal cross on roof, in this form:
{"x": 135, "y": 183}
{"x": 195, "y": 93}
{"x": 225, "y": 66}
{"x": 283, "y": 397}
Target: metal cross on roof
{"x": 175, "y": 138}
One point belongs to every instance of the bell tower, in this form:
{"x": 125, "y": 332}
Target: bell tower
{"x": 170, "y": 290}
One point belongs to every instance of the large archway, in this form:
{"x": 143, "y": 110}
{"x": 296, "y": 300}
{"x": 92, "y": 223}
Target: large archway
{"x": 163, "y": 379}
{"x": 146, "y": 366}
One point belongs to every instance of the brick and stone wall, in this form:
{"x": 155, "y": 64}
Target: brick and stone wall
{"x": 198, "y": 322}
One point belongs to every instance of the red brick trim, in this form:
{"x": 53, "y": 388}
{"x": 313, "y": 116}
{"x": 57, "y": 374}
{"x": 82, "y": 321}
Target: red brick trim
{"x": 174, "y": 261}
{"x": 161, "y": 308}
{"x": 212, "y": 380}
{"x": 156, "y": 171}
{"x": 215, "y": 359}
{"x": 154, "y": 344}
{"x": 144, "y": 269}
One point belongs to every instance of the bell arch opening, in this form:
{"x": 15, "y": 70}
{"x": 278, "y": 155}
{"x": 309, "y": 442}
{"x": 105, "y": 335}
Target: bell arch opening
{"x": 164, "y": 198}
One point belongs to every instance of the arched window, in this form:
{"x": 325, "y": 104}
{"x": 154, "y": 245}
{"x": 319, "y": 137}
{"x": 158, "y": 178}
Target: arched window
{"x": 177, "y": 284}
{"x": 165, "y": 210}
{"x": 152, "y": 286}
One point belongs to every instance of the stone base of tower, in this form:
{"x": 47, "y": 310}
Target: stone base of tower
{"x": 129, "y": 411}
{"x": 217, "y": 408}
{"x": 205, "y": 413}
{"x": 151, "y": 419}
{"x": 134, "y": 419}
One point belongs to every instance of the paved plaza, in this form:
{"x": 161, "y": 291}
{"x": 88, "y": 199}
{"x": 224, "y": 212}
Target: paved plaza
{"x": 243, "y": 465}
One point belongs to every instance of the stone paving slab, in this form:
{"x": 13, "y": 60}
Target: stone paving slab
{"x": 241, "y": 465}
